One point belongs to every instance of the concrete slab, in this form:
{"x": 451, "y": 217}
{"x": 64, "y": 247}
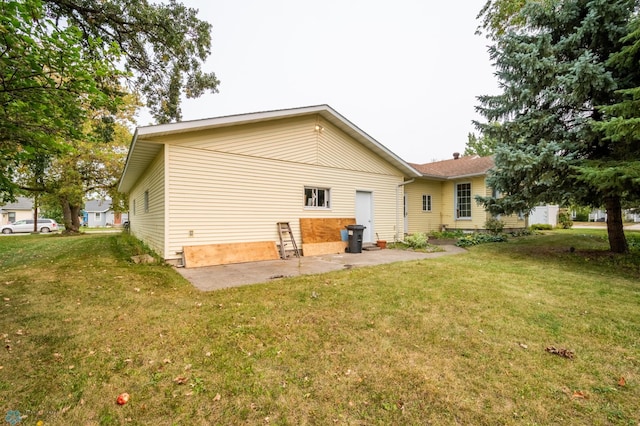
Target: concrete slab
{"x": 224, "y": 276}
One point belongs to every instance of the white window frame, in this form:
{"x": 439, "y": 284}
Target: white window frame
{"x": 314, "y": 200}
{"x": 427, "y": 201}
{"x": 97, "y": 216}
{"x": 457, "y": 197}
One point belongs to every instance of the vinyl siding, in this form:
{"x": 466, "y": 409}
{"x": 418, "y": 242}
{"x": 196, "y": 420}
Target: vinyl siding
{"x": 150, "y": 226}
{"x": 225, "y": 195}
{"x": 418, "y": 220}
{"x": 478, "y": 214}
{"x": 20, "y": 215}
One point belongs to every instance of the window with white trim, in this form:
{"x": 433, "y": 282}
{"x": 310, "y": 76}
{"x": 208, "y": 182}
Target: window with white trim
{"x": 97, "y": 215}
{"x": 463, "y": 201}
{"x": 426, "y": 203}
{"x": 316, "y": 197}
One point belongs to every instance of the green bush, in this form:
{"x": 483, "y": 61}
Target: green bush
{"x": 633, "y": 240}
{"x": 417, "y": 240}
{"x": 564, "y": 220}
{"x": 524, "y": 232}
{"x": 494, "y": 225}
{"x": 541, "y": 227}
{"x": 480, "y": 238}
{"x": 446, "y": 235}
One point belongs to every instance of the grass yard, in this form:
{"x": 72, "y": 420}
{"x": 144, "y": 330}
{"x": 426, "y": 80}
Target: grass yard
{"x": 454, "y": 340}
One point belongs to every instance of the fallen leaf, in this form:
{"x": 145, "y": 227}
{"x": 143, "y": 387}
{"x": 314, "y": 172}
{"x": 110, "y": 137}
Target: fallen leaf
{"x": 180, "y": 380}
{"x": 622, "y": 381}
{"x": 523, "y": 346}
{"x": 578, "y": 395}
{"x": 20, "y": 333}
{"x": 217, "y": 397}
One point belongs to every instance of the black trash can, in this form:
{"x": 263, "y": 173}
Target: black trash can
{"x": 355, "y": 238}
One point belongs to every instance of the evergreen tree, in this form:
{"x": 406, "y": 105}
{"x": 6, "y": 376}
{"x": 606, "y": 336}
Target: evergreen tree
{"x": 553, "y": 63}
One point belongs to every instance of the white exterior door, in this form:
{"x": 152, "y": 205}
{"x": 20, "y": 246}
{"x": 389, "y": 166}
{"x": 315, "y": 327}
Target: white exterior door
{"x": 364, "y": 214}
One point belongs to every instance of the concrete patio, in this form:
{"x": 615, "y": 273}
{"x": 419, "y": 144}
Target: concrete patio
{"x": 224, "y": 276}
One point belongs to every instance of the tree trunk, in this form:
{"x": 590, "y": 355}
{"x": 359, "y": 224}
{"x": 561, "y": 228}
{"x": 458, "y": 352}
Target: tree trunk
{"x": 70, "y": 213}
{"x": 615, "y": 227}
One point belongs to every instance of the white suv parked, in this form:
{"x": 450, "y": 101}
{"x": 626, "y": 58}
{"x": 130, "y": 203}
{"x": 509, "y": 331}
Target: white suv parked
{"x": 26, "y": 225}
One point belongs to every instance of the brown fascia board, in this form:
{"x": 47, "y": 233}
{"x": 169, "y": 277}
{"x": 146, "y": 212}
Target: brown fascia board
{"x": 445, "y": 178}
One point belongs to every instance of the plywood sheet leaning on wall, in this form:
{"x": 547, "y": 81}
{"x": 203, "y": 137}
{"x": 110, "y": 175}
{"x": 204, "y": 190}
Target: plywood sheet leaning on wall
{"x": 323, "y": 235}
{"x": 224, "y": 254}
{"x": 316, "y": 249}
{"x": 323, "y": 230}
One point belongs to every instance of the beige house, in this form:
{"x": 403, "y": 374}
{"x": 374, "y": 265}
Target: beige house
{"x": 444, "y": 196}
{"x": 230, "y": 180}
{"x": 220, "y": 186}
{"x": 21, "y": 209}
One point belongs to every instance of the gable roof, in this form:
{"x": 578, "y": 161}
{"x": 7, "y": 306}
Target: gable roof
{"x": 456, "y": 168}
{"x": 143, "y": 150}
{"x": 21, "y": 203}
{"x": 97, "y": 206}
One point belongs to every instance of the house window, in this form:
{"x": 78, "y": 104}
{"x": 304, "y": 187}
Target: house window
{"x": 12, "y": 217}
{"x": 97, "y": 215}
{"x": 316, "y": 197}
{"x": 146, "y": 201}
{"x": 463, "y": 201}
{"x": 426, "y": 203}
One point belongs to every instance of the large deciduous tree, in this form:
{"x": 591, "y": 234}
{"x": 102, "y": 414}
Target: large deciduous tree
{"x": 61, "y": 59}
{"x": 553, "y": 62}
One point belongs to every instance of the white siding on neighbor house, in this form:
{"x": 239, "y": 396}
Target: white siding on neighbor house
{"x": 225, "y": 196}
{"x": 150, "y": 226}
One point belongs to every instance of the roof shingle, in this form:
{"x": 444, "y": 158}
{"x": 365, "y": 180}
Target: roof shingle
{"x": 463, "y": 166}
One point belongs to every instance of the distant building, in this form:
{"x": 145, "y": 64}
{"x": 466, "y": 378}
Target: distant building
{"x": 98, "y": 213}
{"x": 22, "y": 208}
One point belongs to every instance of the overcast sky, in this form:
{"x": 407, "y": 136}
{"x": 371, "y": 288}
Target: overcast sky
{"x": 407, "y": 72}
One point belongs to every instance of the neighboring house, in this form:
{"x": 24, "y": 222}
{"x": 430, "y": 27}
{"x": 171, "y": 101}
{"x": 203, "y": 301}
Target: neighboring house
{"x": 98, "y": 213}
{"x": 22, "y": 208}
{"x": 444, "y": 196}
{"x": 230, "y": 180}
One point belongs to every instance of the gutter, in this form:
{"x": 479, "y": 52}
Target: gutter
{"x": 397, "y": 236}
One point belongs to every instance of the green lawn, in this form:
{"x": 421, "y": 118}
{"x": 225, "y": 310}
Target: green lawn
{"x": 454, "y": 340}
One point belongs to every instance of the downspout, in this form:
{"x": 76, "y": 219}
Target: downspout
{"x": 397, "y": 236}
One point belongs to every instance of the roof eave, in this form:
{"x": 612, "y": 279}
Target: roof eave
{"x": 126, "y": 164}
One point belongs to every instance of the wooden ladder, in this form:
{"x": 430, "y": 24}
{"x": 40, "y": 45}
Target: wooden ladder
{"x": 286, "y": 236}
